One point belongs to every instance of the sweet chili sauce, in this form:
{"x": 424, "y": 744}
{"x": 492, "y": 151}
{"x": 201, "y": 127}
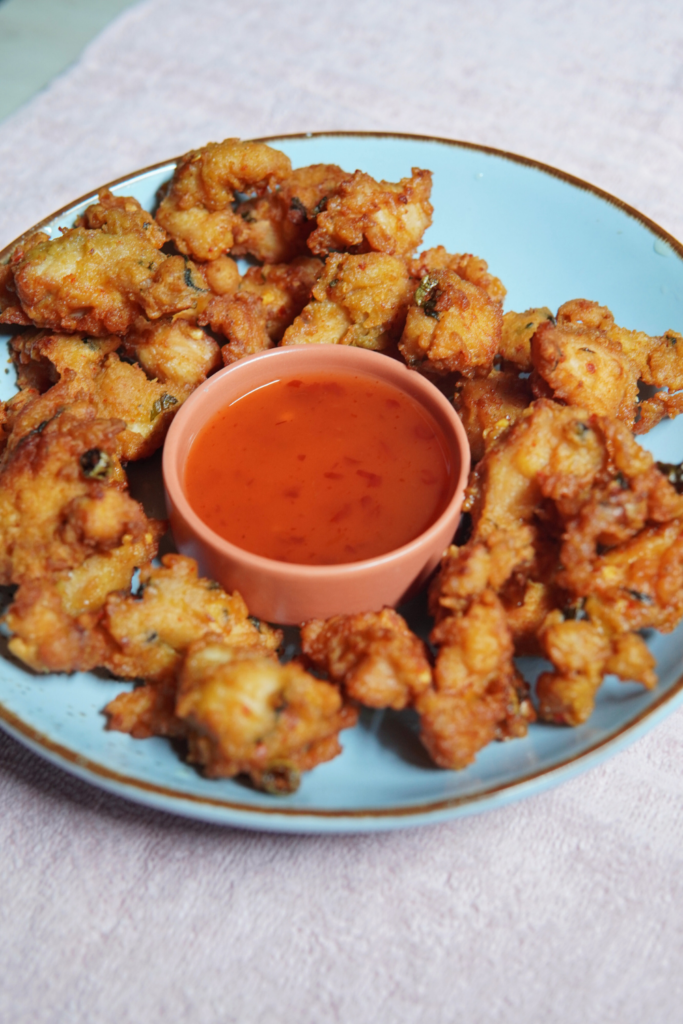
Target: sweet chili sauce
{"x": 320, "y": 469}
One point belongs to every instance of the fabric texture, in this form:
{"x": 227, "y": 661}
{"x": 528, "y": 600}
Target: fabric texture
{"x": 565, "y": 907}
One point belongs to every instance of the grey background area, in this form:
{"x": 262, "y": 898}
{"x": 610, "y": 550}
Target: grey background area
{"x": 40, "y": 38}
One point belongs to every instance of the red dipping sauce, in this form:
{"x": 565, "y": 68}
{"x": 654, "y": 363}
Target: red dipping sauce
{"x": 320, "y": 469}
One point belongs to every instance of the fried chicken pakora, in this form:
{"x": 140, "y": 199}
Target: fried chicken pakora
{"x": 452, "y": 325}
{"x": 374, "y": 656}
{"x": 197, "y": 209}
{"x": 357, "y": 300}
{"x": 248, "y": 714}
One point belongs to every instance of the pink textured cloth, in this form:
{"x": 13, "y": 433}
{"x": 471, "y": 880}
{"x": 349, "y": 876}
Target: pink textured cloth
{"x": 567, "y": 907}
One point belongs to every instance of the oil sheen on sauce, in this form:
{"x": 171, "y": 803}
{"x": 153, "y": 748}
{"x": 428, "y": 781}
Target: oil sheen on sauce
{"x": 320, "y": 469}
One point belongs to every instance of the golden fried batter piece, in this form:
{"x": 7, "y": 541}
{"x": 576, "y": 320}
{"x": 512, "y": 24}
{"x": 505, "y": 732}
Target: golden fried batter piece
{"x": 99, "y": 283}
{"x": 623, "y": 550}
{"x": 267, "y": 299}
{"x": 452, "y": 325}
{"x": 586, "y": 359}
{"x": 489, "y": 405}
{"x": 468, "y": 267}
{"x": 10, "y": 307}
{"x": 477, "y": 696}
{"x": 173, "y": 607}
{"x": 11, "y": 311}
{"x": 88, "y": 368}
{"x": 196, "y": 210}
{"x": 518, "y": 330}
{"x": 55, "y": 620}
{"x": 248, "y": 714}
{"x": 374, "y": 655}
{"x": 581, "y": 366}
{"x": 173, "y": 351}
{"x": 122, "y": 215}
{"x": 275, "y": 227}
{"x": 365, "y": 215}
{"x": 242, "y": 319}
{"x": 582, "y": 655}
{"x": 150, "y": 631}
{"x": 357, "y": 300}
{"x": 57, "y": 504}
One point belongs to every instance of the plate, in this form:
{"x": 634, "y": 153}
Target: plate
{"x": 550, "y": 237}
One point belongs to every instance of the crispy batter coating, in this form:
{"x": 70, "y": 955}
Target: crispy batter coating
{"x": 89, "y": 368}
{"x": 60, "y": 500}
{"x": 581, "y": 366}
{"x": 582, "y": 655}
{"x": 477, "y": 696}
{"x": 365, "y": 215}
{"x": 489, "y": 405}
{"x": 248, "y": 714}
{"x": 196, "y": 210}
{"x": 267, "y": 299}
{"x": 275, "y": 228}
{"x": 357, "y": 300}
{"x": 374, "y": 655}
{"x": 55, "y": 620}
{"x": 11, "y": 311}
{"x": 99, "y": 283}
{"x": 173, "y": 351}
{"x": 122, "y": 215}
{"x": 586, "y": 359}
{"x": 452, "y": 325}
{"x": 465, "y": 265}
{"x": 173, "y": 607}
{"x": 518, "y": 330}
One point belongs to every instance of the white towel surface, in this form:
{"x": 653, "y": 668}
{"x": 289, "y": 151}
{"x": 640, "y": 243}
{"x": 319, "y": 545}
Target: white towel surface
{"x": 566, "y": 907}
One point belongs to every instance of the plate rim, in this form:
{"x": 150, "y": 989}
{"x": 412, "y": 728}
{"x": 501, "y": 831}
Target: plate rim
{"x": 342, "y": 820}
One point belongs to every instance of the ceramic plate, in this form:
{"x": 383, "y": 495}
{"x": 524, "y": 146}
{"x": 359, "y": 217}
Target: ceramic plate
{"x": 550, "y": 238}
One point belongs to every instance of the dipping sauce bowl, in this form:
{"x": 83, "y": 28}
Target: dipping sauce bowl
{"x": 288, "y": 592}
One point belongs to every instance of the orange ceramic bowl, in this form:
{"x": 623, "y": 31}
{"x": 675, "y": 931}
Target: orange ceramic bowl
{"x": 284, "y": 592}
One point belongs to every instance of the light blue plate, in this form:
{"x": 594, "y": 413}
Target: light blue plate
{"x": 550, "y": 238}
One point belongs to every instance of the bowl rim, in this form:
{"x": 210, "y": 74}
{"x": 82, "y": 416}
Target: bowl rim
{"x": 174, "y": 487}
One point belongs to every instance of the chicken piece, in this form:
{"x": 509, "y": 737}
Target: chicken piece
{"x": 583, "y": 367}
{"x": 60, "y": 497}
{"x": 197, "y": 210}
{"x": 99, "y": 283}
{"x": 275, "y": 228}
{"x": 11, "y": 311}
{"x": 489, "y": 405}
{"x": 42, "y": 357}
{"x": 173, "y": 607}
{"x": 173, "y": 351}
{"x": 116, "y": 389}
{"x": 122, "y": 215}
{"x": 55, "y": 621}
{"x": 518, "y": 330}
{"x": 266, "y": 302}
{"x": 357, "y": 300}
{"x": 248, "y": 714}
{"x": 586, "y": 359}
{"x": 477, "y": 696}
{"x": 364, "y": 215}
{"x": 222, "y": 276}
{"x": 468, "y": 267}
{"x": 10, "y": 307}
{"x": 582, "y": 655}
{"x": 374, "y": 655}
{"x": 452, "y": 325}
